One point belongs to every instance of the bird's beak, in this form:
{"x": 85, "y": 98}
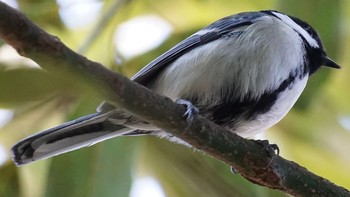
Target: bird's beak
{"x": 328, "y": 62}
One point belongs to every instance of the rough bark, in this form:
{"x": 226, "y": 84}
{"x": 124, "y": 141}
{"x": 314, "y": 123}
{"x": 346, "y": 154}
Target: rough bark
{"x": 252, "y": 160}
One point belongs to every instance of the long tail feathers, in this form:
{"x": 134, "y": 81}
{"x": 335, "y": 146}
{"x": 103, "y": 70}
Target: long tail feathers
{"x": 82, "y": 132}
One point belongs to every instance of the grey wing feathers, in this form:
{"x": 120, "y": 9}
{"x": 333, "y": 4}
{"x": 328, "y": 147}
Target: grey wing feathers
{"x": 145, "y": 74}
{"x": 214, "y": 31}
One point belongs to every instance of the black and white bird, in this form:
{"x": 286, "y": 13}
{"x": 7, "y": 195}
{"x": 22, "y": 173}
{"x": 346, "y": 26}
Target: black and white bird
{"x": 244, "y": 72}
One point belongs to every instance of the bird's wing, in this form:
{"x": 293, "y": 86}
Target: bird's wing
{"x": 216, "y": 30}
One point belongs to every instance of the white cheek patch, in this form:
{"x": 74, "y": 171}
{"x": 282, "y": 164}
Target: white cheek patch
{"x": 312, "y": 42}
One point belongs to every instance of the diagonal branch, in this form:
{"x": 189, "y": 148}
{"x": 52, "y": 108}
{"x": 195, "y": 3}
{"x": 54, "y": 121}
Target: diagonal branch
{"x": 250, "y": 159}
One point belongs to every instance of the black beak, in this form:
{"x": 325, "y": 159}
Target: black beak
{"x": 330, "y": 63}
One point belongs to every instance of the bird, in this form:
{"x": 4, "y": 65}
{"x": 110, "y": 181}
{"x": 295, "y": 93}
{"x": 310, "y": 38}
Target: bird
{"x": 243, "y": 72}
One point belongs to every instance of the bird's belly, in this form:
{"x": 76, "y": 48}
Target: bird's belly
{"x": 278, "y": 110}
{"x": 260, "y": 123}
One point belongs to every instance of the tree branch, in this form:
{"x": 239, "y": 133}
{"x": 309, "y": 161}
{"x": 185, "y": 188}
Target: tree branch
{"x": 250, "y": 159}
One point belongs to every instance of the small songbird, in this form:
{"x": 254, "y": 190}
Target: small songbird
{"x": 243, "y": 72}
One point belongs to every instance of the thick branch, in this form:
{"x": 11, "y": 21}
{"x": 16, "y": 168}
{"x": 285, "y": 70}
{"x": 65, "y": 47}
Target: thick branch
{"x": 247, "y": 157}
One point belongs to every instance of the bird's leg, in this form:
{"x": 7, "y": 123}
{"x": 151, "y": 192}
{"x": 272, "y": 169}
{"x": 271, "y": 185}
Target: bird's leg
{"x": 191, "y": 110}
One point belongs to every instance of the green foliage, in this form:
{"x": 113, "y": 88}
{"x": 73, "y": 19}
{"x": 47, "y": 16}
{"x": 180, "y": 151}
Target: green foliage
{"x": 25, "y": 85}
{"x": 104, "y": 170}
{"x": 309, "y": 135}
{"x": 9, "y": 185}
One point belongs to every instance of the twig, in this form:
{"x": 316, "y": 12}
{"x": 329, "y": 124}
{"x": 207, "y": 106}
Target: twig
{"x": 248, "y": 158}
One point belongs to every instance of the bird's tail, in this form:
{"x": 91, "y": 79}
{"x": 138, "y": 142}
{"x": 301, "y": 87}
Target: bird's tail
{"x": 82, "y": 132}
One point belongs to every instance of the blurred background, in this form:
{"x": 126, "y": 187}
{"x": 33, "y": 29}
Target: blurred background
{"x": 125, "y": 35}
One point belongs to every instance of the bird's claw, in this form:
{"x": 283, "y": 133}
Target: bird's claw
{"x": 272, "y": 149}
{"x": 191, "y": 110}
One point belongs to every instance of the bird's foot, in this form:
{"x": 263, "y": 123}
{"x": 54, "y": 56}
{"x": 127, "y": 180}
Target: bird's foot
{"x": 191, "y": 110}
{"x": 272, "y": 149}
